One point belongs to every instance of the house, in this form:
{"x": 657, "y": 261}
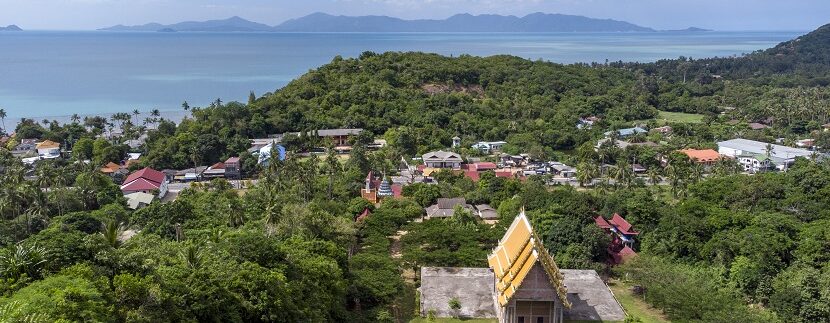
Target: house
{"x": 627, "y": 132}
{"x": 139, "y": 200}
{"x": 442, "y": 159}
{"x": 215, "y": 171}
{"x": 757, "y": 126}
{"x": 638, "y": 169}
{"x": 702, "y": 156}
{"x": 665, "y": 130}
{"x": 375, "y": 190}
{"x": 622, "y": 242}
{"x": 473, "y": 171}
{"x": 755, "y": 163}
{"x": 445, "y": 207}
{"x": 264, "y": 154}
{"x": 233, "y": 168}
{"x": 147, "y": 180}
{"x": 826, "y": 126}
{"x": 781, "y": 156}
{"x": 486, "y": 212}
{"x": 522, "y": 284}
{"x": 338, "y": 137}
{"x": 619, "y": 227}
{"x": 190, "y": 174}
{"x": 456, "y": 142}
{"x": 48, "y": 149}
{"x": 805, "y": 143}
{"x": 562, "y": 170}
{"x": 489, "y": 146}
{"x": 513, "y": 160}
{"x": 110, "y": 168}
{"x": 25, "y": 145}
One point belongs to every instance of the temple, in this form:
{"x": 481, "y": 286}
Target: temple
{"x": 529, "y": 285}
{"x": 522, "y": 284}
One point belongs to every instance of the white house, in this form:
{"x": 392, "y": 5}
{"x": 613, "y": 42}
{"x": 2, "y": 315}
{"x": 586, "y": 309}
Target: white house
{"x": 489, "y": 146}
{"x": 48, "y": 149}
{"x": 442, "y": 159}
{"x": 755, "y": 163}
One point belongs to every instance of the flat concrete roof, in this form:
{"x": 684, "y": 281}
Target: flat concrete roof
{"x": 472, "y": 286}
{"x": 591, "y": 299}
{"x": 758, "y": 147}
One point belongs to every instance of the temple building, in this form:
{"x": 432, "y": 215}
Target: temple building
{"x": 375, "y": 190}
{"x": 522, "y": 284}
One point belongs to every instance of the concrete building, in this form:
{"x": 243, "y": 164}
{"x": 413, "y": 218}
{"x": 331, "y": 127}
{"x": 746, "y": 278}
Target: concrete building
{"x": 781, "y": 156}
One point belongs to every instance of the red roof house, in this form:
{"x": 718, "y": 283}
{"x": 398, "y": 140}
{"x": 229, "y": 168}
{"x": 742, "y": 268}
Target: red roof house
{"x": 622, "y": 225}
{"x": 602, "y": 223}
{"x": 147, "y": 180}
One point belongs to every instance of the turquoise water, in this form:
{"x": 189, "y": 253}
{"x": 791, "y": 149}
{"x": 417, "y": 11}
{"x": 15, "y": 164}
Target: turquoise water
{"x": 53, "y": 74}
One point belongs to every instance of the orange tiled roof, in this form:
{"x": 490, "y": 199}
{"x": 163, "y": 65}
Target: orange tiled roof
{"x": 48, "y": 144}
{"x": 701, "y": 155}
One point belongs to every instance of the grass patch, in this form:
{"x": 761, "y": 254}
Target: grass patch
{"x": 679, "y": 117}
{"x": 452, "y": 320}
{"x": 634, "y": 305}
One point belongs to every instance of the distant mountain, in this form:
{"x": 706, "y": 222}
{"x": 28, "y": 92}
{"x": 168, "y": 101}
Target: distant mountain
{"x": 537, "y": 22}
{"x": 321, "y": 22}
{"x": 225, "y": 25}
{"x": 691, "y": 30}
{"x": 11, "y": 28}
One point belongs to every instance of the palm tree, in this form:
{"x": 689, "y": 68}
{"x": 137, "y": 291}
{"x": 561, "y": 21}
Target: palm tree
{"x": 155, "y": 113}
{"x": 654, "y": 176}
{"x": 3, "y": 118}
{"x": 192, "y": 256}
{"x": 136, "y": 113}
{"x": 585, "y": 173}
{"x": 75, "y": 118}
{"x": 111, "y": 231}
{"x": 185, "y": 106}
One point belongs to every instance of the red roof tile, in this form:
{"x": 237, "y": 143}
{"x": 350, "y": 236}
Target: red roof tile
{"x": 601, "y": 223}
{"x": 232, "y": 160}
{"x": 138, "y": 185}
{"x": 473, "y": 175}
{"x": 622, "y": 225}
{"x": 397, "y": 190}
{"x": 149, "y": 174}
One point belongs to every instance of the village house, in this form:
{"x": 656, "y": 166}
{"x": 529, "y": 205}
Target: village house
{"x": 445, "y": 207}
{"x": 233, "y": 168}
{"x": 215, "y": 171}
{"x": 522, "y": 284}
{"x": 487, "y": 213}
{"x": 587, "y": 122}
{"x": 488, "y": 147}
{"x": 562, "y": 170}
{"x": 757, "y": 126}
{"x": 442, "y": 159}
{"x": 707, "y": 157}
{"x": 627, "y": 132}
{"x": 48, "y": 149}
{"x": 755, "y": 163}
{"x": 622, "y": 237}
{"x": 148, "y": 181}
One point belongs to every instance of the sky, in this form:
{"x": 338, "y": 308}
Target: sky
{"x": 800, "y": 15}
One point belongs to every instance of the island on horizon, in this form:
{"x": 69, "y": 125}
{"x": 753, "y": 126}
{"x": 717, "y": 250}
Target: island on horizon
{"x": 322, "y": 22}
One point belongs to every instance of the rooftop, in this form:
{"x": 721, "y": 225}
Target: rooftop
{"x": 701, "y": 155}
{"x": 757, "y": 147}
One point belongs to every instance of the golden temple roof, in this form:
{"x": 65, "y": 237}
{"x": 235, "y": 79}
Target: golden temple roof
{"x": 515, "y": 256}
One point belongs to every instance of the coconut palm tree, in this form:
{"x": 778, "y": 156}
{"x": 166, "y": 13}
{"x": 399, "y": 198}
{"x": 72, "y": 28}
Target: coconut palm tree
{"x": 112, "y": 231}
{"x": 585, "y": 173}
{"x": 192, "y": 255}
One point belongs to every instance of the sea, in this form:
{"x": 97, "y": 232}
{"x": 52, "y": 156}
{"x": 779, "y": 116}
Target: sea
{"x": 55, "y": 74}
